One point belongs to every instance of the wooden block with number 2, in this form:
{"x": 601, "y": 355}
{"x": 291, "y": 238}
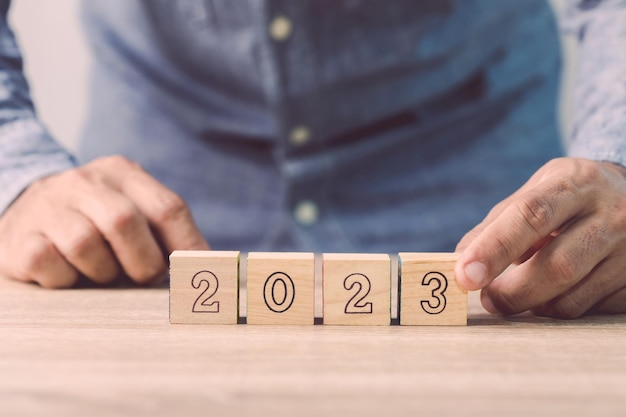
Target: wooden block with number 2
{"x": 204, "y": 287}
{"x": 429, "y": 294}
{"x": 357, "y": 289}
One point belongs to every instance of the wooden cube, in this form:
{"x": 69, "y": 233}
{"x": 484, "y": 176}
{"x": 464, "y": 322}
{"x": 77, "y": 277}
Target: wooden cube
{"x": 429, "y": 294}
{"x": 357, "y": 289}
{"x": 204, "y": 287}
{"x": 281, "y": 288}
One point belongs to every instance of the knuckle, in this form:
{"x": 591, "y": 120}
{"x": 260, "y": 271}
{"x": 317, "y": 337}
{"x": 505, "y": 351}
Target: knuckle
{"x": 588, "y": 172}
{"x": 82, "y": 178}
{"x": 113, "y": 163}
{"x": 36, "y": 252}
{"x": 562, "y": 270}
{"x": 38, "y": 255}
{"x": 169, "y": 207}
{"x": 81, "y": 242}
{"x": 123, "y": 217}
{"x": 582, "y": 170}
{"x": 617, "y": 213}
{"x": 504, "y": 249}
{"x": 555, "y": 162}
{"x": 79, "y": 182}
{"x": 118, "y": 161}
{"x": 537, "y": 213}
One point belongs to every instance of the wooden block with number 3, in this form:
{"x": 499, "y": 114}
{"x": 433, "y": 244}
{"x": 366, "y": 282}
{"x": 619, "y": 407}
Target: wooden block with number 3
{"x": 357, "y": 289}
{"x": 429, "y": 294}
{"x": 204, "y": 287}
{"x": 281, "y": 288}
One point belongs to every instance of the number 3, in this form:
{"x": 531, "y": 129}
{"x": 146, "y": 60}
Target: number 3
{"x": 437, "y": 293}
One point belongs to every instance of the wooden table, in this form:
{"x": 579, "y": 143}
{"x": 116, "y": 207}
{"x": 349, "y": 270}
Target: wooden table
{"x": 112, "y": 352}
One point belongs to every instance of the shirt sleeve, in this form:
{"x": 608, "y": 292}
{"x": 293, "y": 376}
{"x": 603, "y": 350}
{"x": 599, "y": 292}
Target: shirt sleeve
{"x": 27, "y": 151}
{"x": 599, "y": 128}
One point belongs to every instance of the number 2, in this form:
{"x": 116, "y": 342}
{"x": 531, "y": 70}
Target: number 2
{"x": 356, "y": 305}
{"x": 209, "y": 280}
{"x": 437, "y": 293}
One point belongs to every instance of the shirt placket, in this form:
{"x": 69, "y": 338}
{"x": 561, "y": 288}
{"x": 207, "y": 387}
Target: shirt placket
{"x": 282, "y": 23}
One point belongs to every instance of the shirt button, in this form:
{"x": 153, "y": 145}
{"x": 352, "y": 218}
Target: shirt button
{"x": 306, "y": 213}
{"x": 280, "y": 28}
{"x": 299, "y": 135}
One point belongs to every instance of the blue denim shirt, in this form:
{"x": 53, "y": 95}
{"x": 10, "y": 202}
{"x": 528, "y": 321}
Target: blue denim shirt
{"x": 325, "y": 125}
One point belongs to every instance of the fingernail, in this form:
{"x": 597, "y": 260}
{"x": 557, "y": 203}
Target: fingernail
{"x": 476, "y": 272}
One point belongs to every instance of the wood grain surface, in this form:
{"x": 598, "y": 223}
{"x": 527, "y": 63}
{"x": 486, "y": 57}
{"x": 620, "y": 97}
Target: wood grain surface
{"x": 112, "y": 352}
{"x": 356, "y": 289}
{"x": 204, "y": 287}
{"x": 430, "y": 276}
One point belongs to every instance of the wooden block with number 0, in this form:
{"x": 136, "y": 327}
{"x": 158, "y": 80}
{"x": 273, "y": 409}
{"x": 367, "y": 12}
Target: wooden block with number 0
{"x": 281, "y": 288}
{"x": 357, "y": 289}
{"x": 204, "y": 287}
{"x": 429, "y": 294}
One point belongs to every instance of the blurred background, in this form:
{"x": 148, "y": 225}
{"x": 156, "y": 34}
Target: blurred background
{"x": 57, "y": 62}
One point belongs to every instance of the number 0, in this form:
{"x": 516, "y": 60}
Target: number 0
{"x": 283, "y": 280}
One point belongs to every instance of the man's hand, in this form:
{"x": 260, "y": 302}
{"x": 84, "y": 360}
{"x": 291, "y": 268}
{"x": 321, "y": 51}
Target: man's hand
{"x": 565, "y": 229}
{"x": 101, "y": 220}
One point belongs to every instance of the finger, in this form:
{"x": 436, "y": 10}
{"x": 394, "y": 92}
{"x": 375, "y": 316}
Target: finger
{"x": 478, "y": 229}
{"x": 493, "y": 214}
{"x": 169, "y": 216}
{"x": 38, "y": 260}
{"x": 533, "y": 249}
{"x": 604, "y": 280}
{"x": 528, "y": 219}
{"x": 82, "y": 245}
{"x": 540, "y": 244}
{"x": 126, "y": 230}
{"x": 552, "y": 271}
{"x": 613, "y": 304}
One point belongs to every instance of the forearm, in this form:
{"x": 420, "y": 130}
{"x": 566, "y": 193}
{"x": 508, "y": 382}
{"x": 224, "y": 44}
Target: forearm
{"x": 27, "y": 151}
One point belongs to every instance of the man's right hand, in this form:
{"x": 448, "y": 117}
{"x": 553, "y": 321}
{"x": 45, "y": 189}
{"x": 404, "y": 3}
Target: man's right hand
{"x": 101, "y": 220}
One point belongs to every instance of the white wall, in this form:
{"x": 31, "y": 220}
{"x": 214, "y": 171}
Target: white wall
{"x": 56, "y": 61}
{"x": 570, "y": 54}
